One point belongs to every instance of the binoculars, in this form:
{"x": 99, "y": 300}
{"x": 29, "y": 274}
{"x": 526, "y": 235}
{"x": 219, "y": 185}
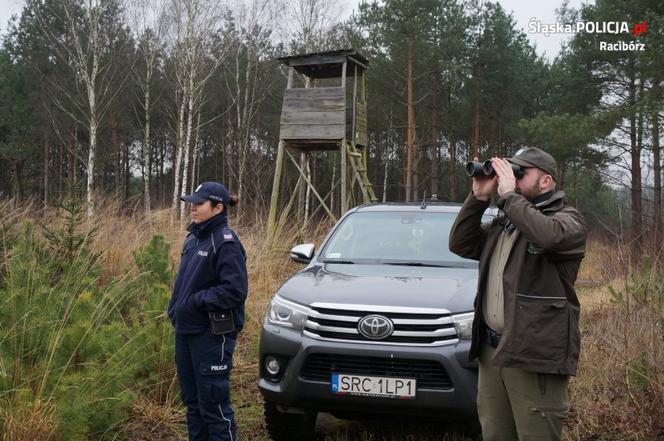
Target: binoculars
{"x": 478, "y": 169}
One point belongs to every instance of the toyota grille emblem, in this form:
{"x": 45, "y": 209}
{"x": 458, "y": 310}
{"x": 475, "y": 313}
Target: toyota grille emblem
{"x": 375, "y": 327}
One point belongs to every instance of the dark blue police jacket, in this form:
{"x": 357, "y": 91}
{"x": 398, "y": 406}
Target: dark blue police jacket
{"x": 212, "y": 277}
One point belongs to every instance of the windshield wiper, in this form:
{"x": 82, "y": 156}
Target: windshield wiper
{"x": 436, "y": 265}
{"x": 338, "y": 261}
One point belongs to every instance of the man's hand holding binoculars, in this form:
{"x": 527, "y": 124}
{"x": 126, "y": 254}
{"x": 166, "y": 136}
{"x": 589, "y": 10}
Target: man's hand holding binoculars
{"x": 506, "y": 177}
{"x": 504, "y": 180}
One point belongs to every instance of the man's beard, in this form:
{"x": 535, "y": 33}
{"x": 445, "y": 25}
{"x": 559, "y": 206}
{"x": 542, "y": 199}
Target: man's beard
{"x": 530, "y": 193}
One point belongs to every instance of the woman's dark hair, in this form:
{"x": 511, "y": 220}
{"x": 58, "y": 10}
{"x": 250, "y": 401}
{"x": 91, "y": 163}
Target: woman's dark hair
{"x": 233, "y": 201}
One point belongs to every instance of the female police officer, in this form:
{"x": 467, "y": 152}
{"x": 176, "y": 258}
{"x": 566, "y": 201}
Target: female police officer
{"x": 207, "y": 312}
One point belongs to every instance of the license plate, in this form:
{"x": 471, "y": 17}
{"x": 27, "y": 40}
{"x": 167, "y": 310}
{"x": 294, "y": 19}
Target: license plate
{"x": 382, "y": 387}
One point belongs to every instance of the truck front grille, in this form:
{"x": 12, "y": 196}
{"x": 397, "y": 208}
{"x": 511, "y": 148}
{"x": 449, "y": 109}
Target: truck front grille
{"x": 412, "y": 326}
{"x": 428, "y": 373}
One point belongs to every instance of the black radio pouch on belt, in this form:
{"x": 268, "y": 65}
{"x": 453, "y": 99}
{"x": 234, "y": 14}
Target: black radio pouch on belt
{"x": 221, "y": 322}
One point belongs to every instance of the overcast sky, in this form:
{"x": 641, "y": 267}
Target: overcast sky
{"x": 7, "y": 9}
{"x": 523, "y": 11}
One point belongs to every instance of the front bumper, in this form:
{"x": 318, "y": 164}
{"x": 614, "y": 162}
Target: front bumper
{"x": 292, "y": 392}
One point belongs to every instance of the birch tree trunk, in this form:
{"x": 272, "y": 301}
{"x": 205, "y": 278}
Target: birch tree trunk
{"x": 148, "y": 18}
{"x": 194, "y": 22}
{"x": 187, "y": 142}
{"x": 90, "y": 57}
{"x": 178, "y": 161}
{"x": 195, "y": 159}
{"x": 147, "y": 146}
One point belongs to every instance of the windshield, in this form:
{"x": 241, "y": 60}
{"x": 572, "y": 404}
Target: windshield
{"x": 397, "y": 238}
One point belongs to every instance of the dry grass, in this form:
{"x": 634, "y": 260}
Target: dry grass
{"x": 594, "y": 299}
{"x": 40, "y": 416}
{"x": 603, "y": 262}
{"x": 152, "y": 421}
{"x": 619, "y": 391}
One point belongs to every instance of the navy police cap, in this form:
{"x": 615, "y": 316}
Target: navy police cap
{"x": 209, "y": 191}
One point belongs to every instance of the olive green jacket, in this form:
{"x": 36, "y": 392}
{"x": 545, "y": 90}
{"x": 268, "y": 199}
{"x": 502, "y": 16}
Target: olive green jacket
{"x": 541, "y": 332}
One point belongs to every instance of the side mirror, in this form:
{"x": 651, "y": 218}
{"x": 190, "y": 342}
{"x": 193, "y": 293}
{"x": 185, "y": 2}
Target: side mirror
{"x": 302, "y": 253}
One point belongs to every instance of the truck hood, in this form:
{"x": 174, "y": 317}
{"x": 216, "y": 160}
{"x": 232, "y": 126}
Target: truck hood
{"x": 452, "y": 289}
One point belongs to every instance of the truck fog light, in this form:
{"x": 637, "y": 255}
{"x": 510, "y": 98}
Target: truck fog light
{"x": 272, "y": 365}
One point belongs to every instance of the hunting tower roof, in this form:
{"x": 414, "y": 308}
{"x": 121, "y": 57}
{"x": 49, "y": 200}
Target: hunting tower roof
{"x": 327, "y": 64}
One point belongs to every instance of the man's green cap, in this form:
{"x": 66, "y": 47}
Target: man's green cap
{"x": 534, "y": 157}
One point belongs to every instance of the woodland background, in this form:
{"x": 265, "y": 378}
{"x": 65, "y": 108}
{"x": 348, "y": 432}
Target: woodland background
{"x": 142, "y": 100}
{"x": 111, "y": 109}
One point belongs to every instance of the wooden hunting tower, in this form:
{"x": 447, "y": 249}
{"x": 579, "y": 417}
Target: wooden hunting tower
{"x": 328, "y": 113}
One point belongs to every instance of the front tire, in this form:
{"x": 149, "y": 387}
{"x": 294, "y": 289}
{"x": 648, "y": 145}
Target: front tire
{"x": 282, "y": 426}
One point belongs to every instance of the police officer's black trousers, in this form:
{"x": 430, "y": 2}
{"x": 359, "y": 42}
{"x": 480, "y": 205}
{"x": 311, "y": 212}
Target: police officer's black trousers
{"x": 204, "y": 362}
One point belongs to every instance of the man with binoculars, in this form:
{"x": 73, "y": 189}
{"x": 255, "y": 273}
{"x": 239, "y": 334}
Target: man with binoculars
{"x": 525, "y": 331}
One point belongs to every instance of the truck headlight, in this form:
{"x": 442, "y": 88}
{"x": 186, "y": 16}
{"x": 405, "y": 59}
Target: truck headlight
{"x": 463, "y": 323}
{"x": 286, "y": 313}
